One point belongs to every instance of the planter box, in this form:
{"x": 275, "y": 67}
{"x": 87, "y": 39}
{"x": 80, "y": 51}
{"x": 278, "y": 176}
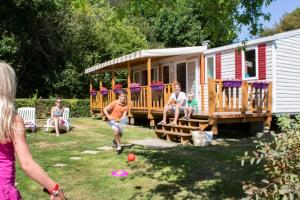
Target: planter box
{"x": 93, "y": 93}
{"x": 157, "y": 87}
{"x": 104, "y": 92}
{"x": 117, "y": 91}
{"x": 135, "y": 89}
{"x": 235, "y": 84}
{"x": 260, "y": 85}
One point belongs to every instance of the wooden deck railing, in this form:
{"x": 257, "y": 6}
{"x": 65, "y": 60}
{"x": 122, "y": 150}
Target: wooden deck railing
{"x": 238, "y": 99}
{"x": 95, "y": 101}
{"x": 99, "y": 101}
{"x": 139, "y": 100}
{"x": 159, "y": 98}
{"x": 106, "y": 99}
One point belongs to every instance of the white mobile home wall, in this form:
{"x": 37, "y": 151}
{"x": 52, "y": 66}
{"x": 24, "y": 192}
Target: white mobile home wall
{"x": 282, "y": 68}
{"x": 228, "y": 65}
{"x": 287, "y": 75}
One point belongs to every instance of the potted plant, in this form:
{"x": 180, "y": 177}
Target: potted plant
{"x": 135, "y": 87}
{"x": 232, "y": 83}
{"x": 117, "y": 88}
{"x": 104, "y": 91}
{"x": 260, "y": 85}
{"x": 157, "y": 86}
{"x": 93, "y": 92}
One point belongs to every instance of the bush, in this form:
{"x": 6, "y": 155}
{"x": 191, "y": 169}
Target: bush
{"x": 78, "y": 107}
{"x": 280, "y": 158}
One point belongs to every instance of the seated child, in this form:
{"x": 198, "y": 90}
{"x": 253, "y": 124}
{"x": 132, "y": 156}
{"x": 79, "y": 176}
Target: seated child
{"x": 191, "y": 106}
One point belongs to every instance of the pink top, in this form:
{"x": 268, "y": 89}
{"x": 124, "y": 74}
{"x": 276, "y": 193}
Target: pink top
{"x": 8, "y": 190}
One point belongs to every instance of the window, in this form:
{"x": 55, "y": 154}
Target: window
{"x": 181, "y": 75}
{"x": 191, "y": 70}
{"x": 136, "y": 77}
{"x": 144, "y": 77}
{"x": 250, "y": 64}
{"x": 166, "y": 78}
{"x": 154, "y": 74}
{"x": 210, "y": 64}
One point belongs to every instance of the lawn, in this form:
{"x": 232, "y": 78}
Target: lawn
{"x": 184, "y": 172}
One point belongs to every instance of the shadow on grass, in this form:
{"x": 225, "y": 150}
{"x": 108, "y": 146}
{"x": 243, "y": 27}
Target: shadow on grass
{"x": 189, "y": 172}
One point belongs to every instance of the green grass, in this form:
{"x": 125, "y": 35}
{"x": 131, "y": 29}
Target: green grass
{"x": 178, "y": 173}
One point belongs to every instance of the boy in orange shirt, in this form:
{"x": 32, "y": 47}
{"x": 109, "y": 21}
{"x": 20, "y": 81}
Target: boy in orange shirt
{"x": 115, "y": 112}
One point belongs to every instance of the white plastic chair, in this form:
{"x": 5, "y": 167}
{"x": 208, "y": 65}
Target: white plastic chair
{"x": 28, "y": 115}
{"x": 66, "y": 126}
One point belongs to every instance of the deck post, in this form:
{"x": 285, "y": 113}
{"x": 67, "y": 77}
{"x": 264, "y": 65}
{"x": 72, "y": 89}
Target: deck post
{"x": 91, "y": 97}
{"x": 220, "y": 96}
{"x": 202, "y": 80}
{"x": 149, "y": 93}
{"x": 113, "y": 83}
{"x": 128, "y": 90}
{"x": 244, "y": 97}
{"x": 214, "y": 127}
{"x": 101, "y": 99}
{"x": 211, "y": 96}
{"x": 270, "y": 98}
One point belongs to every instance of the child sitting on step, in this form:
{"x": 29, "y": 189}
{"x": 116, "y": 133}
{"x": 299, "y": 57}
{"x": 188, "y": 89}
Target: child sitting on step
{"x": 191, "y": 106}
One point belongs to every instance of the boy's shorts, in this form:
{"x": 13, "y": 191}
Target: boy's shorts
{"x": 116, "y": 126}
{"x": 181, "y": 109}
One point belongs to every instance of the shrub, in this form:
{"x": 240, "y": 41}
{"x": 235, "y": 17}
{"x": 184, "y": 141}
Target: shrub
{"x": 280, "y": 158}
{"x": 78, "y": 107}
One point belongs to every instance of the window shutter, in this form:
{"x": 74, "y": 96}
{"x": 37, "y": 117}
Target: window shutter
{"x": 262, "y": 62}
{"x": 218, "y": 66}
{"x": 238, "y": 65}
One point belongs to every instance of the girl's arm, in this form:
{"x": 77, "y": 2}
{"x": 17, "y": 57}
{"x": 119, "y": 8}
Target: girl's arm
{"x": 28, "y": 165}
{"x": 52, "y": 112}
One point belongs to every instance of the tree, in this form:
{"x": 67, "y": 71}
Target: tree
{"x": 50, "y": 43}
{"x": 288, "y": 22}
{"x": 189, "y": 22}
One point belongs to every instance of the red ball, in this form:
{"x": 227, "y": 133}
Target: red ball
{"x": 131, "y": 157}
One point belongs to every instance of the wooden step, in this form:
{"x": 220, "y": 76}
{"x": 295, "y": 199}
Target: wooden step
{"x": 182, "y": 127}
{"x": 184, "y": 137}
{"x": 192, "y": 120}
{"x": 165, "y": 132}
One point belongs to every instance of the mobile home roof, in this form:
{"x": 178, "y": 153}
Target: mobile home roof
{"x": 255, "y": 41}
{"x": 150, "y": 53}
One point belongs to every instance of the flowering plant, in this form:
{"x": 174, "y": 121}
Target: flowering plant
{"x": 118, "y": 86}
{"x": 157, "y": 86}
{"x": 132, "y": 85}
{"x": 135, "y": 87}
{"x": 93, "y": 92}
{"x": 156, "y": 83}
{"x": 103, "y": 91}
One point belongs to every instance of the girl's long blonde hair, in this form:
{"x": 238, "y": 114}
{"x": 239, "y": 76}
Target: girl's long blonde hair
{"x": 7, "y": 98}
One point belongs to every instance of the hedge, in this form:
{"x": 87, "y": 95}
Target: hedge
{"x": 78, "y": 107}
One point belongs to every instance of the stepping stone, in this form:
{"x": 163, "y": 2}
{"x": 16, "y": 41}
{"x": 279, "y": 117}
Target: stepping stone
{"x": 126, "y": 145}
{"x": 90, "y": 152}
{"x": 59, "y": 165}
{"x": 156, "y": 143}
{"x": 75, "y": 158}
{"x": 105, "y": 148}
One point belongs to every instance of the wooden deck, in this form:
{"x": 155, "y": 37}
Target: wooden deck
{"x": 225, "y": 105}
